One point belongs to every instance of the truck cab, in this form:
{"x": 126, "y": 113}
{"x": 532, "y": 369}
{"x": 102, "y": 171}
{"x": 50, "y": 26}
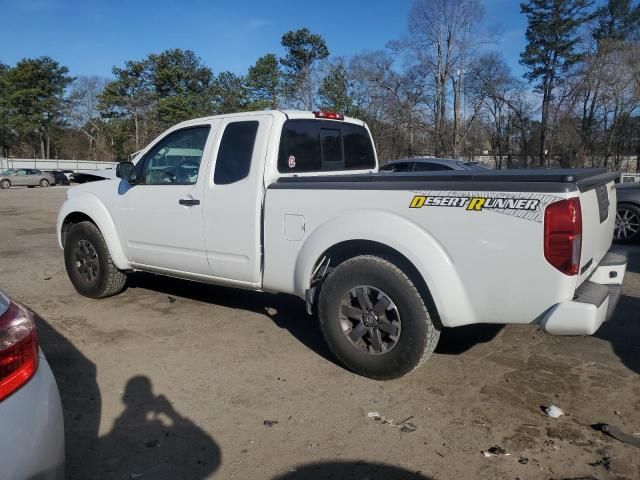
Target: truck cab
{"x": 193, "y": 207}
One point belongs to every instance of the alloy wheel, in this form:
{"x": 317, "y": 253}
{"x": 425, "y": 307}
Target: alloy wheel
{"x": 627, "y": 224}
{"x": 86, "y": 259}
{"x": 370, "y": 319}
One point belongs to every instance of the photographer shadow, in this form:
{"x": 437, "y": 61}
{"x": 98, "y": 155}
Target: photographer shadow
{"x": 150, "y": 439}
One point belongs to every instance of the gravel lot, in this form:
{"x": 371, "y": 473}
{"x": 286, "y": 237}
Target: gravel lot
{"x": 173, "y": 379}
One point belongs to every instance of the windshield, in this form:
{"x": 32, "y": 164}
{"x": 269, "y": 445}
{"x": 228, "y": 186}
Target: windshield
{"x": 8, "y": 171}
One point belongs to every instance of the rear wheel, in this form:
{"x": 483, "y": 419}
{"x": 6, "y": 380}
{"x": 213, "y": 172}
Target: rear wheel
{"x": 44, "y": 183}
{"x": 4, "y": 184}
{"x": 627, "y": 227}
{"x": 89, "y": 264}
{"x": 374, "y": 319}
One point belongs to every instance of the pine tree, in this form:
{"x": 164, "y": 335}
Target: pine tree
{"x": 263, "y": 80}
{"x": 553, "y": 37}
{"x": 304, "y": 50}
{"x": 32, "y": 99}
{"x": 334, "y": 94}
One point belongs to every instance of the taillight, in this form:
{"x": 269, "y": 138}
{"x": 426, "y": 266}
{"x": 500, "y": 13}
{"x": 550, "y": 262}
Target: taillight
{"x": 18, "y": 349}
{"x": 329, "y": 115}
{"x": 563, "y": 235}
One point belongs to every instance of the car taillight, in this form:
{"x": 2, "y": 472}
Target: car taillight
{"x": 329, "y": 115}
{"x": 18, "y": 349}
{"x": 563, "y": 235}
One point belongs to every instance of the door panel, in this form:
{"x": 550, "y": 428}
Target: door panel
{"x": 161, "y": 215}
{"x": 233, "y": 199}
{"x": 21, "y": 178}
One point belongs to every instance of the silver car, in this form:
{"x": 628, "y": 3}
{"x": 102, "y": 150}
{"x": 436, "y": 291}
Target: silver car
{"x": 28, "y": 177}
{"x": 31, "y": 421}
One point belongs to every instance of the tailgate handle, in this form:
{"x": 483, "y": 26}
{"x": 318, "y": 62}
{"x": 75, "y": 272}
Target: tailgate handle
{"x": 189, "y": 202}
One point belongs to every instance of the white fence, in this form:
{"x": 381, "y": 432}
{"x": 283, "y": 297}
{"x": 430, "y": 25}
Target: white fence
{"x": 55, "y": 164}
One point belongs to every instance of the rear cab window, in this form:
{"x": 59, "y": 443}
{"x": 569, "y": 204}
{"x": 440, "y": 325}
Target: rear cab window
{"x": 324, "y": 146}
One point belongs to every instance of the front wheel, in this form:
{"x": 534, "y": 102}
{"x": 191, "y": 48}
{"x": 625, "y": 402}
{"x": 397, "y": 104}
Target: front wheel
{"x": 627, "y": 227}
{"x": 374, "y": 319}
{"x": 44, "y": 183}
{"x": 5, "y": 184}
{"x": 89, "y": 264}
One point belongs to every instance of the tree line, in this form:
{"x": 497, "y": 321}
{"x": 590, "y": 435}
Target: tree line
{"x": 439, "y": 90}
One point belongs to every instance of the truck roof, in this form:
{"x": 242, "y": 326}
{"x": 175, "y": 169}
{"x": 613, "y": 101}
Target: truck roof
{"x": 289, "y": 114}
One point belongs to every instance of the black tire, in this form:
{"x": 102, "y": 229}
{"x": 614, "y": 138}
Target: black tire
{"x": 5, "y": 184}
{"x": 627, "y": 229}
{"x": 416, "y": 333}
{"x": 89, "y": 264}
{"x": 44, "y": 183}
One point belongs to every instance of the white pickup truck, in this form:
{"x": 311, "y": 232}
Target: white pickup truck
{"x": 289, "y": 201}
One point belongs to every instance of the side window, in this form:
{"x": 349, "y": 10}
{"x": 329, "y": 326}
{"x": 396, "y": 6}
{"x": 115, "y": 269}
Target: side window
{"x": 176, "y": 158}
{"x": 320, "y": 145}
{"x": 235, "y": 152}
{"x": 398, "y": 167}
{"x": 21, "y": 172}
{"x": 429, "y": 167}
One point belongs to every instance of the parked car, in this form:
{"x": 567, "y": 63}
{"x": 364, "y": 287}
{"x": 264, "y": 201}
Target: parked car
{"x": 628, "y": 213}
{"x": 291, "y": 202}
{"x": 32, "y": 432}
{"x": 629, "y": 178}
{"x": 30, "y": 177}
{"x": 94, "y": 176}
{"x": 429, "y": 165}
{"x": 59, "y": 177}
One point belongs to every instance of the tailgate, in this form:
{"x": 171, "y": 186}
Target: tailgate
{"x": 598, "y": 205}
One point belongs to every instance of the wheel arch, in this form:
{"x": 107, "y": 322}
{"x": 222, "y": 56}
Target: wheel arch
{"x": 628, "y": 202}
{"x": 402, "y": 241}
{"x": 89, "y": 208}
{"x": 348, "y": 249}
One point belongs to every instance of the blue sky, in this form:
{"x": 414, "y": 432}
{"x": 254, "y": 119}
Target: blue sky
{"x": 91, "y": 36}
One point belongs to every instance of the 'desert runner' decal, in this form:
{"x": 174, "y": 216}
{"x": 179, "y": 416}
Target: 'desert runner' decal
{"x": 526, "y": 206}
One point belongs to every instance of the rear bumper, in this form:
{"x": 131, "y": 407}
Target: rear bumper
{"x": 594, "y": 301}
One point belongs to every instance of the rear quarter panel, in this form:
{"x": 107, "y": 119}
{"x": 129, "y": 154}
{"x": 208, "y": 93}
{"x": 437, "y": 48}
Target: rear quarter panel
{"x": 483, "y": 265}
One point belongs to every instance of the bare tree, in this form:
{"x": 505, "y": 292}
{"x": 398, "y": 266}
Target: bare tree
{"x": 83, "y": 113}
{"x": 440, "y": 38}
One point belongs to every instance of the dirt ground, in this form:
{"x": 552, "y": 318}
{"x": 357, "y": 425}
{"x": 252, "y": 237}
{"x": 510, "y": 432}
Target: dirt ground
{"x": 173, "y": 380}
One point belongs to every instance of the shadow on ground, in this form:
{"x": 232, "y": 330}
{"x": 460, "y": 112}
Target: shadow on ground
{"x": 454, "y": 341}
{"x": 623, "y": 332}
{"x": 289, "y": 312}
{"x": 623, "y": 329}
{"x": 149, "y": 439}
{"x": 285, "y": 311}
{"x": 350, "y": 470}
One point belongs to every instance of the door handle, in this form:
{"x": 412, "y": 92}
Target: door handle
{"x": 189, "y": 202}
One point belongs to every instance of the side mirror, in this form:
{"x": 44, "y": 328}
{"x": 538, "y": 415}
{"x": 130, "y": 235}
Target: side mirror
{"x": 126, "y": 171}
